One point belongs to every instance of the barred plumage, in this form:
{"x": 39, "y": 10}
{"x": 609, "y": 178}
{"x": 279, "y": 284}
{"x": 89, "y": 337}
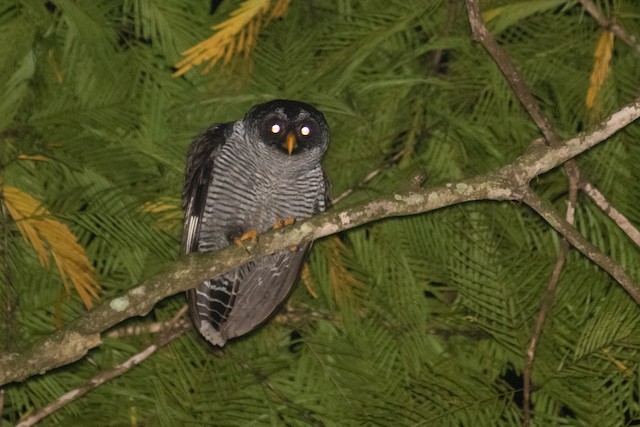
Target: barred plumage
{"x": 245, "y": 176}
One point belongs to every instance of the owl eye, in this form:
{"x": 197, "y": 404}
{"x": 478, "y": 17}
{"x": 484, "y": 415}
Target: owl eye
{"x": 275, "y": 128}
{"x": 305, "y": 131}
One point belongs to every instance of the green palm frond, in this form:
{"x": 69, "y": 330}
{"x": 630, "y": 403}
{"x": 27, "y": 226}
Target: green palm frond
{"x": 421, "y": 320}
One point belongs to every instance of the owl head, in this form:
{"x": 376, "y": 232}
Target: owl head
{"x": 290, "y": 128}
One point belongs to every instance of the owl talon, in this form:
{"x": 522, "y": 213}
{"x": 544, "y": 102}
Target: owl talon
{"x": 249, "y": 235}
{"x": 280, "y": 223}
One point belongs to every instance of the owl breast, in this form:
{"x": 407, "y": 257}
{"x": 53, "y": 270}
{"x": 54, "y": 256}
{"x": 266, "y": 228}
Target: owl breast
{"x": 245, "y": 195}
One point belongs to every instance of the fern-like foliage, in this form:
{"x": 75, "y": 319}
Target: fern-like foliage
{"x": 413, "y": 321}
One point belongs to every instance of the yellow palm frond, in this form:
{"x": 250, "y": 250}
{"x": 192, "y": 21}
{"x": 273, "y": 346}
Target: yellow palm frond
{"x": 279, "y": 9}
{"x": 236, "y": 35}
{"x": 52, "y": 239}
{"x": 167, "y": 211}
{"x": 342, "y": 281}
{"x": 307, "y": 280}
{"x": 34, "y": 157}
{"x": 601, "y": 67}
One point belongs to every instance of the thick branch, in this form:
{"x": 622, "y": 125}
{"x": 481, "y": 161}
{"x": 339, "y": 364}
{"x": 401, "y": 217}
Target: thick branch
{"x": 520, "y": 89}
{"x": 95, "y": 382}
{"x": 540, "y": 159}
{"x": 509, "y": 183}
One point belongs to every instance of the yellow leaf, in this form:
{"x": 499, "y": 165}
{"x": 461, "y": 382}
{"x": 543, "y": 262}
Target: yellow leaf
{"x": 601, "y": 66}
{"x": 280, "y": 8}
{"x": 52, "y": 239}
{"x": 307, "y": 280}
{"x": 166, "y": 210}
{"x": 36, "y": 157}
{"x": 236, "y": 35}
{"x": 626, "y": 371}
{"x": 54, "y": 65}
{"x": 342, "y": 281}
{"x": 164, "y": 205}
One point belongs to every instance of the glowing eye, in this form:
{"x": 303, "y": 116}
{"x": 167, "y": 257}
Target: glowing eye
{"x": 275, "y": 128}
{"x": 305, "y": 131}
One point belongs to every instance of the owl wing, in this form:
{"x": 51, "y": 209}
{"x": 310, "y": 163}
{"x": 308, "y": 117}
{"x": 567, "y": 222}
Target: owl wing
{"x": 197, "y": 181}
{"x": 265, "y": 284}
{"x": 212, "y": 299}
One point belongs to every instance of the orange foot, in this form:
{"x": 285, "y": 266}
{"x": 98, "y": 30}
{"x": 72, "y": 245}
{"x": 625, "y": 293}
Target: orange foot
{"x": 280, "y": 223}
{"x": 249, "y": 235}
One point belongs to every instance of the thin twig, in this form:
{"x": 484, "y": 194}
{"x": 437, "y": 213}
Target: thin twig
{"x": 151, "y": 328}
{"x": 2, "y": 392}
{"x": 179, "y": 314}
{"x": 453, "y": 10}
{"x": 9, "y": 321}
{"x": 546, "y": 211}
{"x": 369, "y": 177}
{"x": 291, "y": 315}
{"x": 307, "y": 413}
{"x": 547, "y": 302}
{"x": 482, "y": 35}
{"x": 589, "y": 189}
{"x": 622, "y": 222}
{"x": 162, "y": 340}
{"x": 545, "y": 307}
{"x": 611, "y": 25}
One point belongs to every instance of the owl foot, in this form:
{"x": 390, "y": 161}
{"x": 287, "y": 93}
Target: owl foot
{"x": 280, "y": 223}
{"x": 249, "y": 235}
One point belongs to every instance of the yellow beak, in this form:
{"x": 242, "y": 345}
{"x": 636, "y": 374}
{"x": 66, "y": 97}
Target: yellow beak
{"x": 290, "y": 143}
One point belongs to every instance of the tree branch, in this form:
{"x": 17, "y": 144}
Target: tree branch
{"x": 621, "y": 221}
{"x": 482, "y": 35}
{"x": 591, "y": 191}
{"x": 611, "y": 25}
{"x": 528, "y": 101}
{"x": 176, "y": 329}
{"x": 508, "y": 183}
{"x": 151, "y": 328}
{"x": 544, "y": 209}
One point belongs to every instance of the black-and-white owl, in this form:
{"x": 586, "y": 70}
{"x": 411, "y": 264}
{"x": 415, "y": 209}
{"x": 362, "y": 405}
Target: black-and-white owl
{"x": 244, "y": 176}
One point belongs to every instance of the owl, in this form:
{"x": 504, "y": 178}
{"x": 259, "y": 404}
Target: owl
{"x": 243, "y": 178}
